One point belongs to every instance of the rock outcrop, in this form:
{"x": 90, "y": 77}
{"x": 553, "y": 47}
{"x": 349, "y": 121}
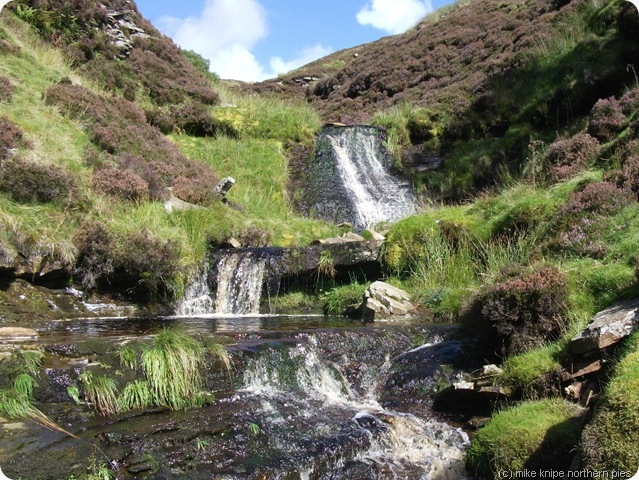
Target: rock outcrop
{"x": 607, "y": 328}
{"x": 382, "y": 300}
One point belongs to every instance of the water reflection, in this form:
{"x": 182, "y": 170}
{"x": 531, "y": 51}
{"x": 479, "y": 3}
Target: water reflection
{"x": 121, "y": 328}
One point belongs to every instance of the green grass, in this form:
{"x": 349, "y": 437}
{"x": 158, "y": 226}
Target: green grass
{"x": 100, "y": 391}
{"x": 268, "y": 118}
{"x": 610, "y": 439}
{"x": 260, "y": 170}
{"x": 525, "y": 374}
{"x": 172, "y": 364}
{"x": 135, "y": 395}
{"x": 533, "y": 435}
{"x": 338, "y": 300}
{"x": 19, "y": 372}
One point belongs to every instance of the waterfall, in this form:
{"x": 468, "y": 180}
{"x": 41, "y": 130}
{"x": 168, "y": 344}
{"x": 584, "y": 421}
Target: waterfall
{"x": 197, "y": 299}
{"x": 342, "y": 424}
{"x": 239, "y": 278}
{"x": 239, "y": 283}
{"x": 363, "y": 191}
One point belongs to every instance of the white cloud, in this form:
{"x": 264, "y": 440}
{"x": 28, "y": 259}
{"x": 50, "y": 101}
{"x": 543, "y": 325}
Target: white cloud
{"x": 307, "y": 55}
{"x": 394, "y": 16}
{"x": 225, "y": 32}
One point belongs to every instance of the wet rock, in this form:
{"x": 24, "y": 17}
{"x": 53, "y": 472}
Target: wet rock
{"x": 382, "y": 300}
{"x": 607, "y": 328}
{"x": 139, "y": 464}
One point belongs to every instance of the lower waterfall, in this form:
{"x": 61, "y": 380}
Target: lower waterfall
{"x": 239, "y": 278}
{"x": 331, "y": 425}
{"x": 197, "y": 299}
{"x": 239, "y": 284}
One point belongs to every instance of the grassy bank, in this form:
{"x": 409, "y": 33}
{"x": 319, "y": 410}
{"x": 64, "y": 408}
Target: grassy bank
{"x": 50, "y": 134}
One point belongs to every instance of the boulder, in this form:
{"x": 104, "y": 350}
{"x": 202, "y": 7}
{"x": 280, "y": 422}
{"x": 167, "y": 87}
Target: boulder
{"x": 174, "y": 204}
{"x": 607, "y": 328}
{"x": 382, "y": 300}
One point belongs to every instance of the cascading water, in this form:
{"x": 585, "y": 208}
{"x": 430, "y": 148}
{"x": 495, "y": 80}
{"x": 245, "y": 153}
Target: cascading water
{"x": 363, "y": 191}
{"x": 240, "y": 277}
{"x": 197, "y": 299}
{"x": 332, "y": 428}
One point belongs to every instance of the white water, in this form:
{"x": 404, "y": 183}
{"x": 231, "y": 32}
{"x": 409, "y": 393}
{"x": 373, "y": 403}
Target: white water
{"x": 239, "y": 288}
{"x": 376, "y": 194}
{"x": 402, "y": 443}
{"x": 197, "y": 299}
{"x": 239, "y": 284}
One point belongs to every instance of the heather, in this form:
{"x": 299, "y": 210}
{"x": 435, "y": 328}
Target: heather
{"x": 85, "y": 171}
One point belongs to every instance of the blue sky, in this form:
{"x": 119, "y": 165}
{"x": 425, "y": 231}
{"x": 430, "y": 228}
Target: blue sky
{"x": 253, "y": 40}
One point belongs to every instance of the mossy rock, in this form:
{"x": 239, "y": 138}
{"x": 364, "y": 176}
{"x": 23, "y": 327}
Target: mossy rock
{"x": 610, "y": 440}
{"x": 539, "y": 435}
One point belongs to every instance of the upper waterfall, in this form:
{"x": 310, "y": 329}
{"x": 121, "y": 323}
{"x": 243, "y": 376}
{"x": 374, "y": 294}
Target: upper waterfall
{"x": 352, "y": 178}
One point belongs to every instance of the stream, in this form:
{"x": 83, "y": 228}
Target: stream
{"x": 308, "y": 399}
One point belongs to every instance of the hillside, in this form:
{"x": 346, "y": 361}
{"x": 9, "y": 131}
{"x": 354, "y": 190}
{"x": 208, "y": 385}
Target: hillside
{"x": 517, "y": 123}
{"x": 473, "y": 84}
{"x": 102, "y": 120}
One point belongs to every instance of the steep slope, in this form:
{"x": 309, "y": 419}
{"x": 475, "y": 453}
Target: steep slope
{"x": 101, "y": 119}
{"x": 442, "y": 61}
{"x": 475, "y": 84}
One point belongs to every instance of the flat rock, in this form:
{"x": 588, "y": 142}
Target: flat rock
{"x": 607, "y": 328}
{"x": 13, "y": 333}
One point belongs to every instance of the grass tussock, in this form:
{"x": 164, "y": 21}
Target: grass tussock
{"x": 533, "y": 435}
{"x": 100, "y": 391}
{"x": 172, "y": 366}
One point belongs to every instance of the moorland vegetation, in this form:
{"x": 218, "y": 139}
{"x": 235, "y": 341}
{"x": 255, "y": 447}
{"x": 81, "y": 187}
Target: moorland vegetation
{"x": 530, "y": 226}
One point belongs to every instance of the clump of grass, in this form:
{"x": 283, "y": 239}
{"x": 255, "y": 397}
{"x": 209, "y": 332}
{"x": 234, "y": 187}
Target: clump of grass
{"x": 135, "y": 395}
{"x": 100, "y": 391}
{"x": 128, "y": 356}
{"x": 221, "y": 353}
{"x": 326, "y": 264}
{"x": 525, "y": 373}
{"x": 339, "y": 300}
{"x": 19, "y": 371}
{"x": 172, "y": 367}
{"x": 533, "y": 435}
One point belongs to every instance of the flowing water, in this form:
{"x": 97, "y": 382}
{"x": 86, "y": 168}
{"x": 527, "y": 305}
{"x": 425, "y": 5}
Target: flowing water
{"x": 239, "y": 278}
{"x": 239, "y": 283}
{"x": 308, "y": 399}
{"x": 341, "y": 429}
{"x": 363, "y": 166}
{"x": 197, "y": 297}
